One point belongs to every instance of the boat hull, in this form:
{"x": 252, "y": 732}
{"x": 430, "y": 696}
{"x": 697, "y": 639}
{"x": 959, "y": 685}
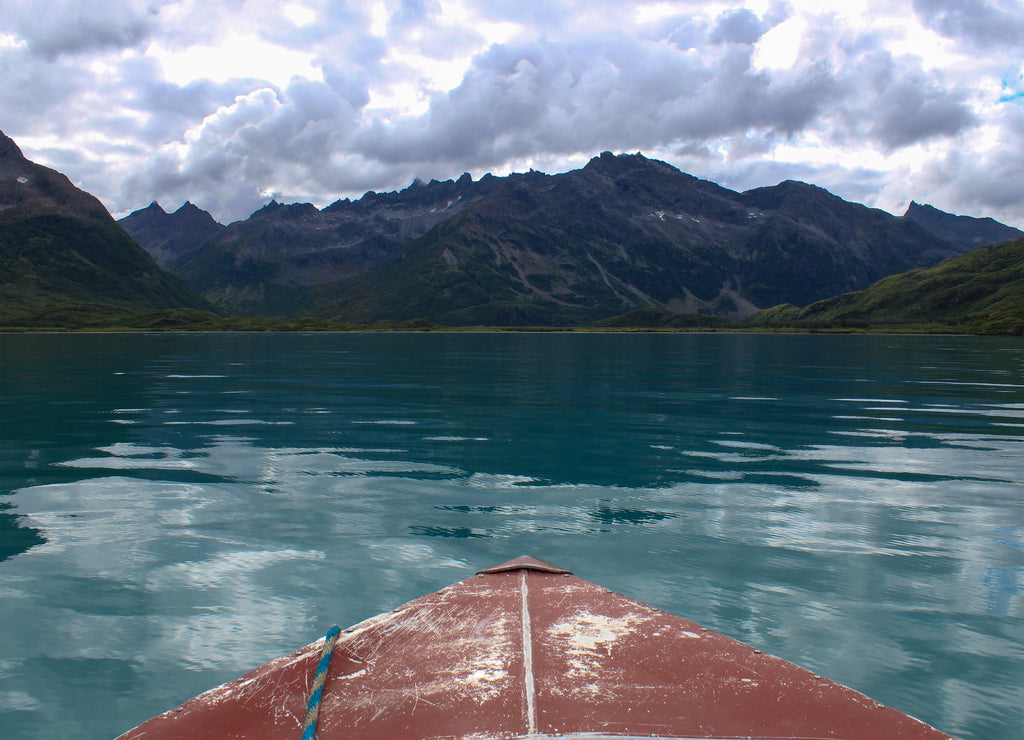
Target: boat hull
{"x": 527, "y": 650}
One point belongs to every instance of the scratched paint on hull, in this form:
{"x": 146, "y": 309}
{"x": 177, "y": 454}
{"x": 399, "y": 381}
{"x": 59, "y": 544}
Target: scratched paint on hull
{"x": 526, "y": 650}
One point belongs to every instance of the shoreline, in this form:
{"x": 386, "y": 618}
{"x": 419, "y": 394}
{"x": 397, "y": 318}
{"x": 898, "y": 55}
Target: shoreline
{"x": 838, "y": 331}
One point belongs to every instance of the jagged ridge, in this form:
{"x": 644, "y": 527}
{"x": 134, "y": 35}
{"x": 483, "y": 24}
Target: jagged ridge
{"x": 622, "y": 233}
{"x": 627, "y": 232}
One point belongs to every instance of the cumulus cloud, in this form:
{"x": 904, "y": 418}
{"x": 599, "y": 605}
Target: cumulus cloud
{"x": 628, "y": 93}
{"x": 985, "y": 181}
{"x": 897, "y": 104}
{"x": 981, "y": 22}
{"x": 264, "y": 142}
{"x": 616, "y": 92}
{"x": 738, "y": 27}
{"x": 910, "y": 111}
{"x": 349, "y": 96}
{"x": 73, "y": 27}
{"x": 52, "y": 84}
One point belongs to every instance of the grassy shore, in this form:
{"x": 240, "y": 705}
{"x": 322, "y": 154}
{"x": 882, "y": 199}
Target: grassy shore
{"x": 101, "y": 318}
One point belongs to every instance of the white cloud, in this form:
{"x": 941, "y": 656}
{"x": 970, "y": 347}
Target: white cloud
{"x": 68, "y": 27}
{"x": 223, "y": 102}
{"x": 779, "y": 48}
{"x": 235, "y": 57}
{"x": 299, "y": 14}
{"x": 982, "y": 23}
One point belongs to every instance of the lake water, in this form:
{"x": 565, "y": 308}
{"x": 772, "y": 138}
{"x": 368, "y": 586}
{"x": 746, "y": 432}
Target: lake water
{"x": 175, "y": 510}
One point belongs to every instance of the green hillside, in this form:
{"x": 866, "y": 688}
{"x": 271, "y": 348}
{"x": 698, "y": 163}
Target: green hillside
{"x": 55, "y": 258}
{"x": 59, "y": 246}
{"x": 981, "y": 292}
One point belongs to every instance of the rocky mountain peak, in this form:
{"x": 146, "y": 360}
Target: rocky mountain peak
{"x": 27, "y": 188}
{"x": 270, "y": 207}
{"x": 153, "y": 210}
{"x": 620, "y": 162}
{"x": 170, "y": 236}
{"x": 9, "y": 151}
{"x": 194, "y": 215}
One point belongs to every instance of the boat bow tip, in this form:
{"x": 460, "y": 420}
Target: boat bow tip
{"x": 524, "y": 562}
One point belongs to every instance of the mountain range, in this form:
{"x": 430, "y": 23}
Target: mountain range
{"x": 268, "y": 264}
{"x": 625, "y": 240}
{"x": 622, "y": 233}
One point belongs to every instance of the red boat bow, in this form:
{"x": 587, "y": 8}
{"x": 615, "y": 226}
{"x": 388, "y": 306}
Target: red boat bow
{"x": 527, "y": 650}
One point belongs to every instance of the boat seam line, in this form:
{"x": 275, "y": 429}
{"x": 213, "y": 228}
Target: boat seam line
{"x": 531, "y": 705}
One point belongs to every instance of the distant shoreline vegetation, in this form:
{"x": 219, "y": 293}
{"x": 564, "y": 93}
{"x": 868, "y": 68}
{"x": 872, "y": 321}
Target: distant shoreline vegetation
{"x": 99, "y": 318}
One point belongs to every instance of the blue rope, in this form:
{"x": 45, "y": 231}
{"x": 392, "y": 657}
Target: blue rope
{"x": 313, "y": 707}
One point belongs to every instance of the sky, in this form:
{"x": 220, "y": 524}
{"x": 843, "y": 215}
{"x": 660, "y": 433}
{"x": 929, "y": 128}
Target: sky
{"x": 229, "y": 103}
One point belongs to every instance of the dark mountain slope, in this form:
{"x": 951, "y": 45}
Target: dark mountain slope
{"x": 979, "y": 292}
{"x": 265, "y": 264}
{"x": 628, "y": 232}
{"x": 809, "y": 244}
{"x": 550, "y": 250}
{"x": 967, "y": 231}
{"x": 169, "y": 237}
{"x": 58, "y": 244}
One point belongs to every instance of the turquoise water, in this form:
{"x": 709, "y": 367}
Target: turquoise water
{"x": 175, "y": 510}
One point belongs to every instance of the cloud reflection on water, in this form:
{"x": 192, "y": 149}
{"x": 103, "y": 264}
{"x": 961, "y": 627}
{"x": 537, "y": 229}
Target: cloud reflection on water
{"x": 813, "y": 522}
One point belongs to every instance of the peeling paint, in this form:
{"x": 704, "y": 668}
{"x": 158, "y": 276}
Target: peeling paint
{"x": 586, "y": 632}
{"x": 451, "y": 666}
